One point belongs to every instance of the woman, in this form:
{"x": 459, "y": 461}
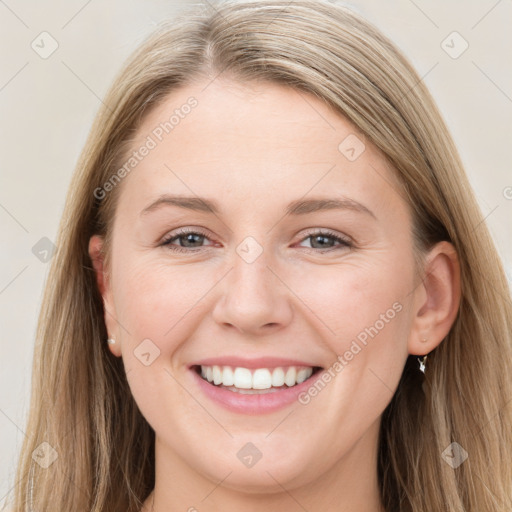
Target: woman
{"x": 337, "y": 335}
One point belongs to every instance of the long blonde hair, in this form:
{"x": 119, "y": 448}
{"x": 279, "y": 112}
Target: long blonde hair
{"x": 81, "y": 403}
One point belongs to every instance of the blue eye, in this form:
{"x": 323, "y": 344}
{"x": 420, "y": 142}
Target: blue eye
{"x": 322, "y": 236}
{"x": 188, "y": 236}
{"x": 191, "y": 240}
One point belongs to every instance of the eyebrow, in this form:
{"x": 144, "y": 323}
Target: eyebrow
{"x": 298, "y": 207}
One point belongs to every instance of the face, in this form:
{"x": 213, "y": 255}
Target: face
{"x": 296, "y": 263}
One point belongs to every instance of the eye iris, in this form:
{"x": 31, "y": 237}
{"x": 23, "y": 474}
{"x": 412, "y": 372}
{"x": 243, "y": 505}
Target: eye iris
{"x": 189, "y": 238}
{"x": 322, "y": 244}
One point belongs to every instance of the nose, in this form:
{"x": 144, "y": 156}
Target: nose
{"x": 253, "y": 298}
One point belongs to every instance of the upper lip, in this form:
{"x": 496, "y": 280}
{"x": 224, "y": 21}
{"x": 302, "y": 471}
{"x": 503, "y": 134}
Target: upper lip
{"x": 259, "y": 362}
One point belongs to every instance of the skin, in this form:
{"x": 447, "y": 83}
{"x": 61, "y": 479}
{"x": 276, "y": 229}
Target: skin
{"x": 254, "y": 148}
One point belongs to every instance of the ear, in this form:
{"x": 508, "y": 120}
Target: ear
{"x": 104, "y": 287}
{"x": 436, "y": 299}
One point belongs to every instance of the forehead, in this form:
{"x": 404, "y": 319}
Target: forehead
{"x": 257, "y": 143}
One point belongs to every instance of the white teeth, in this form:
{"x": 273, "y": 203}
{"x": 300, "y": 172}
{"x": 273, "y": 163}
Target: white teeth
{"x": 290, "y": 377}
{"x": 262, "y": 379}
{"x": 217, "y": 375}
{"x": 242, "y": 378}
{"x": 302, "y": 375}
{"x": 228, "y": 379}
{"x": 278, "y": 377}
{"x": 258, "y": 379}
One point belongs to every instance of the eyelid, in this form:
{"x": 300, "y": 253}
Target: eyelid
{"x": 343, "y": 240}
{"x": 182, "y": 232}
{"x": 326, "y": 231}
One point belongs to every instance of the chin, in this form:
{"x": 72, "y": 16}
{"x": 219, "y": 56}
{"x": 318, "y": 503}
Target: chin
{"x": 264, "y": 477}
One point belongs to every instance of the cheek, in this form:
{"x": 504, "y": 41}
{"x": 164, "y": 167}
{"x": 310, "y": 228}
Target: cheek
{"x": 154, "y": 299}
{"x": 157, "y": 306}
{"x": 356, "y": 300}
{"x": 363, "y": 310}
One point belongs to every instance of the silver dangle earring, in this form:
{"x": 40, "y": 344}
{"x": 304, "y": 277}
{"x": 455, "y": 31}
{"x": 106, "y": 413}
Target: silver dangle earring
{"x": 423, "y": 363}
{"x": 111, "y": 341}
{"x": 423, "y": 360}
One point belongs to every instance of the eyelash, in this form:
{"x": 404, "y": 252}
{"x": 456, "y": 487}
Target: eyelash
{"x": 345, "y": 242}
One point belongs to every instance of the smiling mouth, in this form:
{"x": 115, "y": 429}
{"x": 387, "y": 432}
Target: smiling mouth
{"x": 255, "y": 381}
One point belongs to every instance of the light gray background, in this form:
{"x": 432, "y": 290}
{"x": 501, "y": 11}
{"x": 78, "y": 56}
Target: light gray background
{"x": 47, "y": 107}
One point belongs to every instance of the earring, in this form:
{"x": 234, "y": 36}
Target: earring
{"x": 111, "y": 341}
{"x": 423, "y": 363}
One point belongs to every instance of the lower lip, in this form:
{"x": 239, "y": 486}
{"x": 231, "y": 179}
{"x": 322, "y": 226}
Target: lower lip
{"x": 256, "y": 403}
